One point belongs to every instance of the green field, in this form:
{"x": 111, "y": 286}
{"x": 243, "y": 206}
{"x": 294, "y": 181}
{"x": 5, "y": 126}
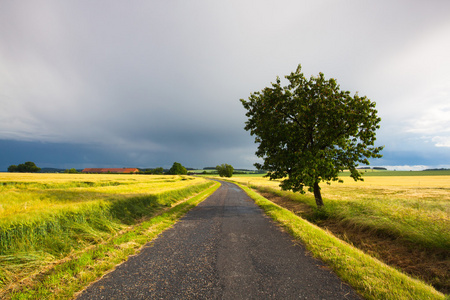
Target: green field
{"x": 366, "y": 173}
{"x": 47, "y": 219}
{"x": 401, "y": 173}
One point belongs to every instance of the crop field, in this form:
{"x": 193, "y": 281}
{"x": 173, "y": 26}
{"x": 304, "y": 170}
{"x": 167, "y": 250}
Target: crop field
{"x": 45, "y": 218}
{"x": 402, "y": 220}
{"x": 27, "y": 196}
{"x": 66, "y": 230}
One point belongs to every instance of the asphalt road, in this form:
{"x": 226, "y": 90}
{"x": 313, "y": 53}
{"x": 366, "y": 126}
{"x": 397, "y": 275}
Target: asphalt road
{"x": 225, "y": 248}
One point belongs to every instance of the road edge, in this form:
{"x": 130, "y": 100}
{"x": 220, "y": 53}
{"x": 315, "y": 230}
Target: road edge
{"x": 368, "y": 276}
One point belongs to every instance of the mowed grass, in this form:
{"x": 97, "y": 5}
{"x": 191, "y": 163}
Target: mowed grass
{"x": 45, "y": 218}
{"x": 414, "y": 208}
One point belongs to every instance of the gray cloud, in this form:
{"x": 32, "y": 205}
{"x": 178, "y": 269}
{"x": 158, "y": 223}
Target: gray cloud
{"x": 166, "y": 77}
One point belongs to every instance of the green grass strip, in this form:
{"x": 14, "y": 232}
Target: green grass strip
{"x": 67, "y": 278}
{"x": 367, "y": 275}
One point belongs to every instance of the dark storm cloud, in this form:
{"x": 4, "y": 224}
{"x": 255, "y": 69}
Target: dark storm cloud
{"x": 152, "y": 82}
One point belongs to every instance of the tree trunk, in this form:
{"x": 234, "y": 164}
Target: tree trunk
{"x": 318, "y": 195}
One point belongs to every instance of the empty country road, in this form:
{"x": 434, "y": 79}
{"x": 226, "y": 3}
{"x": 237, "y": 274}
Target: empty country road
{"x": 225, "y": 248}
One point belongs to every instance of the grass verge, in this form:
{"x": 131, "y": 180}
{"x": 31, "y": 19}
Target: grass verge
{"x": 367, "y": 275}
{"x": 64, "y": 278}
{"x": 430, "y": 264}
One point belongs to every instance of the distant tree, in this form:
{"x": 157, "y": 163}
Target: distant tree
{"x": 309, "y": 131}
{"x": 225, "y": 170}
{"x": 158, "y": 171}
{"x": 13, "y": 168}
{"x": 229, "y": 170}
{"x": 72, "y": 171}
{"x": 27, "y": 167}
{"x": 31, "y": 167}
{"x": 177, "y": 169}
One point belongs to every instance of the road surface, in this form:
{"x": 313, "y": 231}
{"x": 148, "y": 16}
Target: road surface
{"x": 225, "y": 248}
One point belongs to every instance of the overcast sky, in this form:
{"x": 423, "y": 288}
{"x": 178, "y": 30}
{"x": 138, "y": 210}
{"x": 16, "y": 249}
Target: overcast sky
{"x": 147, "y": 83}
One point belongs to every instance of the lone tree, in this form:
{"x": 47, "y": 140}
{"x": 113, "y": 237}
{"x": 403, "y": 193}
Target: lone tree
{"x": 225, "y": 170}
{"x": 177, "y": 169}
{"x": 310, "y": 130}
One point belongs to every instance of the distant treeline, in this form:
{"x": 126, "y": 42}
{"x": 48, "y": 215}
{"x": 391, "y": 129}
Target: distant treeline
{"x": 239, "y": 171}
{"x": 56, "y": 170}
{"x": 384, "y": 169}
{"x": 159, "y": 170}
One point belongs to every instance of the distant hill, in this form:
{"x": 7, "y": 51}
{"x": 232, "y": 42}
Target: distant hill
{"x": 51, "y": 170}
{"x": 373, "y": 168}
{"x": 55, "y": 170}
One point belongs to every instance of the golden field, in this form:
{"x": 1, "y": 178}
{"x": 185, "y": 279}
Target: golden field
{"x": 414, "y": 207}
{"x": 23, "y": 195}
{"x": 58, "y": 232}
{"x": 403, "y": 220}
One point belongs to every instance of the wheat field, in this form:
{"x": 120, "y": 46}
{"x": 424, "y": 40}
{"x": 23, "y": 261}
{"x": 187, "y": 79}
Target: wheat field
{"x": 416, "y": 208}
{"x": 45, "y": 217}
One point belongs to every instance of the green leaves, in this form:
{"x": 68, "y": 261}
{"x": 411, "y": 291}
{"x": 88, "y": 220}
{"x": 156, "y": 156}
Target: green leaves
{"x": 177, "y": 169}
{"x": 27, "y": 167}
{"x": 225, "y": 170}
{"x": 310, "y": 130}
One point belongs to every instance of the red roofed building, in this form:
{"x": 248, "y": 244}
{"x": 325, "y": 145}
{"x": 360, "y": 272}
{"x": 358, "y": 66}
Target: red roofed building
{"x": 111, "y": 170}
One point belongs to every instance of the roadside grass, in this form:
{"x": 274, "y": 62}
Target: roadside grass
{"x": 402, "y": 220}
{"x": 416, "y": 209}
{"x": 69, "y": 276}
{"x": 55, "y": 216}
{"x": 370, "y": 277}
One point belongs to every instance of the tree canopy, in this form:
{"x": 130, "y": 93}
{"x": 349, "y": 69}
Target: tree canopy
{"x": 27, "y": 167}
{"x": 310, "y": 130}
{"x": 177, "y": 169}
{"x": 225, "y": 170}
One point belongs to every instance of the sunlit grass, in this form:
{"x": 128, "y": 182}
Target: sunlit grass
{"x": 45, "y": 217}
{"x": 61, "y": 279}
{"x": 415, "y": 208}
{"x": 368, "y": 276}
{"x": 23, "y": 196}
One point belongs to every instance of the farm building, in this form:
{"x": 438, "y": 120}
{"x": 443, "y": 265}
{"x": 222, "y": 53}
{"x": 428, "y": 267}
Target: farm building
{"x": 111, "y": 170}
